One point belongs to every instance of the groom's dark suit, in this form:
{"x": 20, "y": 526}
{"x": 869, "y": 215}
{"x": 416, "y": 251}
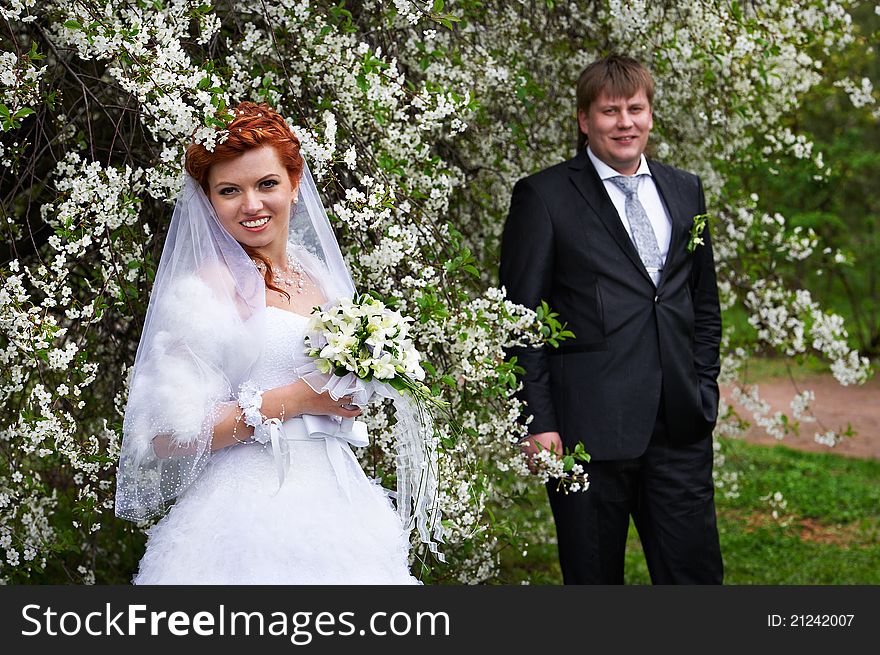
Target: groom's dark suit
{"x": 637, "y": 385}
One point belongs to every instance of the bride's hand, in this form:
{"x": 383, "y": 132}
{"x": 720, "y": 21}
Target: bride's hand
{"x": 306, "y": 401}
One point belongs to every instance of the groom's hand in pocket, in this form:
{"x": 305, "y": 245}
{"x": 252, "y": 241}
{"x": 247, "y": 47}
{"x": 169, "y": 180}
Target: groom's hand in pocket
{"x": 542, "y": 441}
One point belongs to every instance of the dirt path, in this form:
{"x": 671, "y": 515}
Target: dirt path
{"x": 834, "y": 407}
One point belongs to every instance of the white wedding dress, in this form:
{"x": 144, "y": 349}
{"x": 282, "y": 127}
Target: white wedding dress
{"x": 326, "y": 524}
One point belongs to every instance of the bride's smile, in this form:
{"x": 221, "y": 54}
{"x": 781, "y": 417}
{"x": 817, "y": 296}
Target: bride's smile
{"x": 256, "y": 224}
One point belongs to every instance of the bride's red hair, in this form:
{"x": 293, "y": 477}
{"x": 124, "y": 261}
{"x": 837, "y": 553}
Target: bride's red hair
{"x": 253, "y": 126}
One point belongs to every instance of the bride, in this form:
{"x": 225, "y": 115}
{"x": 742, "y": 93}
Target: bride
{"x": 219, "y": 416}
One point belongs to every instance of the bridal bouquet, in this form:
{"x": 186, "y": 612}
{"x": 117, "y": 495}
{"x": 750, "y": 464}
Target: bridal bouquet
{"x": 360, "y": 348}
{"x": 363, "y": 337}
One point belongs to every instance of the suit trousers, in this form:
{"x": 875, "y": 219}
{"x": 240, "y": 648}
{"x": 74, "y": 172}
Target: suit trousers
{"x": 668, "y": 491}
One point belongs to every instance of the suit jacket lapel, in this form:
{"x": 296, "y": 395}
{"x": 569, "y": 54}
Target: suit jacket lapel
{"x": 681, "y": 223}
{"x": 590, "y": 186}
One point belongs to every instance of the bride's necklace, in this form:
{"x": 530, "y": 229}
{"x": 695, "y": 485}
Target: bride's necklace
{"x": 293, "y": 279}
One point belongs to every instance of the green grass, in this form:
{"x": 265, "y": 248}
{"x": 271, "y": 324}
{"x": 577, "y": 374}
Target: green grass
{"x": 767, "y": 368}
{"x": 828, "y": 533}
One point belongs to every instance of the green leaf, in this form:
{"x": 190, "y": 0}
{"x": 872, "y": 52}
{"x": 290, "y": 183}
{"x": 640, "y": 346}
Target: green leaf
{"x": 438, "y": 6}
{"x": 73, "y": 25}
{"x": 34, "y": 54}
{"x": 736, "y": 10}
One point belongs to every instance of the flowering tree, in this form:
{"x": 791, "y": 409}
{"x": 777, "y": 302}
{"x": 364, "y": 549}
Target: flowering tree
{"x": 840, "y": 117}
{"x": 416, "y": 119}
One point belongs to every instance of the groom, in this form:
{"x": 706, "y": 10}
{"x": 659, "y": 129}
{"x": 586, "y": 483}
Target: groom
{"x": 606, "y": 238}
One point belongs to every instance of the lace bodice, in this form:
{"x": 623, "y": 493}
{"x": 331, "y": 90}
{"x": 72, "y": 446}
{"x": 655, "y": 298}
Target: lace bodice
{"x": 284, "y": 337}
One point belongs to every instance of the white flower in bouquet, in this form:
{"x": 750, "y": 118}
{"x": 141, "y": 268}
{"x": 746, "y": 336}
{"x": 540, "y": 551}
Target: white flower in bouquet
{"x": 383, "y": 367}
{"x": 411, "y": 359}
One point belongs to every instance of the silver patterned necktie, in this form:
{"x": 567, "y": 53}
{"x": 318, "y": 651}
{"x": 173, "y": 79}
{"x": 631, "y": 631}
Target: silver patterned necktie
{"x": 642, "y": 233}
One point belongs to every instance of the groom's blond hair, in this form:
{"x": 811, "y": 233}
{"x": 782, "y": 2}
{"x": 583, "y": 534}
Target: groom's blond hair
{"x": 616, "y": 75}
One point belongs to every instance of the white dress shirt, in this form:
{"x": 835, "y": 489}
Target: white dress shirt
{"x": 650, "y": 199}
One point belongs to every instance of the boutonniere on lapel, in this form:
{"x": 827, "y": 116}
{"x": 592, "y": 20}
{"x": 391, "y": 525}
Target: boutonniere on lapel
{"x": 700, "y": 221}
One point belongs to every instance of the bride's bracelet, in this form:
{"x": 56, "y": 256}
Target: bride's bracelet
{"x": 250, "y": 399}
